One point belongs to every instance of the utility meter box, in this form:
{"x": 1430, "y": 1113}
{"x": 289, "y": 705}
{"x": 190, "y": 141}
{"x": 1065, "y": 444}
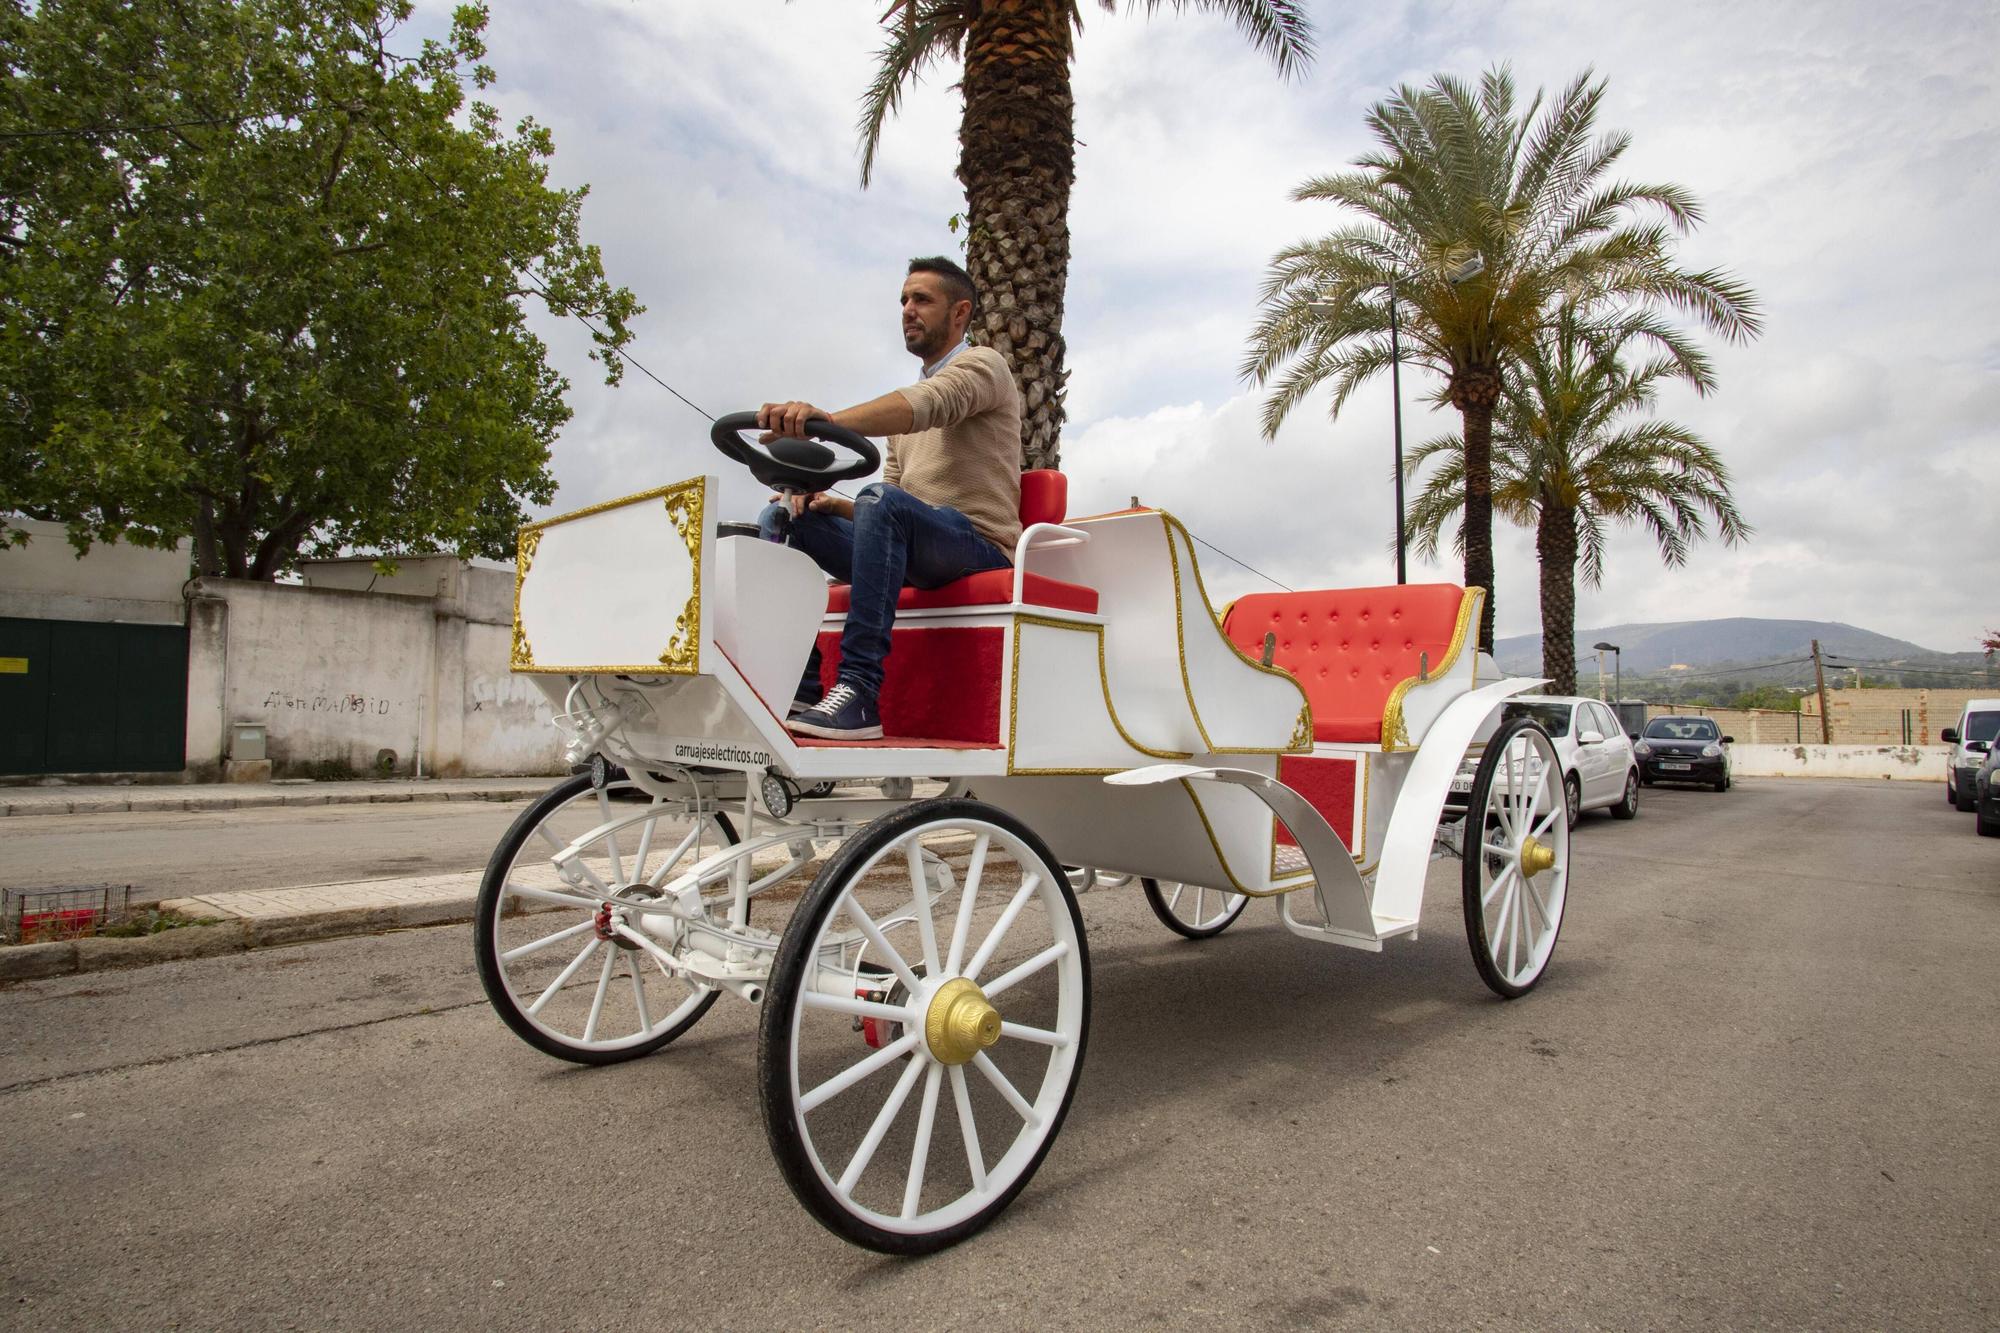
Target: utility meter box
{"x": 246, "y": 740}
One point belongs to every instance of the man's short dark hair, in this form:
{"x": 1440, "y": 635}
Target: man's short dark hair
{"x": 957, "y": 282}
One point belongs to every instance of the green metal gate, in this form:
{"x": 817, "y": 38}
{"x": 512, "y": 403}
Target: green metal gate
{"x": 84, "y": 697}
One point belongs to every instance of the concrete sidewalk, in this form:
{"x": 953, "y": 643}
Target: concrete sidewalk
{"x": 89, "y": 800}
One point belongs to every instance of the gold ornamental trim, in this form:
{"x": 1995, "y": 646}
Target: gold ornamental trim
{"x": 685, "y": 502}
{"x": 1536, "y": 857}
{"x": 1395, "y": 736}
{"x": 1103, "y": 684}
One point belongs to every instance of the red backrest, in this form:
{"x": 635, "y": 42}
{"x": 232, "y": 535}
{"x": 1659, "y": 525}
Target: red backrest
{"x": 1044, "y": 496}
{"x": 1349, "y": 647}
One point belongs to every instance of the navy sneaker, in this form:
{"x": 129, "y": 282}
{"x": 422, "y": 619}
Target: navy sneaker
{"x": 806, "y": 698}
{"x": 845, "y": 714}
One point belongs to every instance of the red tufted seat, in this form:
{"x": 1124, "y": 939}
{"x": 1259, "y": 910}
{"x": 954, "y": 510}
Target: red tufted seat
{"x": 1044, "y": 499}
{"x": 1349, "y": 647}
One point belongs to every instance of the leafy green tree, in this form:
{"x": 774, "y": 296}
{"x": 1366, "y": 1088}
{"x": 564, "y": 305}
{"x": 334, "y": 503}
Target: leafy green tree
{"x": 1460, "y": 173}
{"x": 1017, "y": 158}
{"x": 263, "y": 281}
{"x": 1575, "y": 452}
{"x": 1775, "y": 697}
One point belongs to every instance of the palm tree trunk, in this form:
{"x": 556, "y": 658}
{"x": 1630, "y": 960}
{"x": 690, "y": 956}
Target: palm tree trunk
{"x": 1017, "y": 160}
{"x": 1474, "y": 393}
{"x": 1555, "y": 544}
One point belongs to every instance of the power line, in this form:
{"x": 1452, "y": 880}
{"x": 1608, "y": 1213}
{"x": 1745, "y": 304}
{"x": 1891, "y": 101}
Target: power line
{"x": 1246, "y": 564}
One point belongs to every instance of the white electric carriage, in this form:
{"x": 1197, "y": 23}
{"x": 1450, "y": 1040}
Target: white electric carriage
{"x": 925, "y": 996}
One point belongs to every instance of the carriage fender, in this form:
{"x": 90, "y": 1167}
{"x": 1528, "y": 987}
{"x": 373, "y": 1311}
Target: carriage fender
{"x": 1413, "y": 822}
{"x": 1342, "y": 893}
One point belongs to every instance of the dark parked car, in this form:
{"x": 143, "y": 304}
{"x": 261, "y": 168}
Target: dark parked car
{"x": 1684, "y": 749}
{"x": 1986, "y": 795}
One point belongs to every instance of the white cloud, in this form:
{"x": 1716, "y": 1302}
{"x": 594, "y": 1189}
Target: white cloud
{"x": 1843, "y": 152}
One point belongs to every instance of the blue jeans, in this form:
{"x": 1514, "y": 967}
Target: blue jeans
{"x": 894, "y": 539}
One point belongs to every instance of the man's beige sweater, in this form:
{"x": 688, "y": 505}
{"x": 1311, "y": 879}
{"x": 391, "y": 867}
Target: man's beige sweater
{"x": 964, "y": 449}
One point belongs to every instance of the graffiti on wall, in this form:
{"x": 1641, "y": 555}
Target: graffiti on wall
{"x": 506, "y": 690}
{"x": 358, "y": 705}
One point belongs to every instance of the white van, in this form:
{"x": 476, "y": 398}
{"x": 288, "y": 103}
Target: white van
{"x": 1974, "y": 735}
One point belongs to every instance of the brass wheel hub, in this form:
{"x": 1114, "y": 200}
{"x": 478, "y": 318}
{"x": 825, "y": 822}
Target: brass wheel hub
{"x": 960, "y": 1023}
{"x": 1535, "y": 857}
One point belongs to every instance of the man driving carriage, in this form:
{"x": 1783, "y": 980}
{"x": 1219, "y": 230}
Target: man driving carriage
{"x": 948, "y": 504}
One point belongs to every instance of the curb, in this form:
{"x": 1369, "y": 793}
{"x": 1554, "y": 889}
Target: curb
{"x": 61, "y": 958}
{"x": 100, "y": 805}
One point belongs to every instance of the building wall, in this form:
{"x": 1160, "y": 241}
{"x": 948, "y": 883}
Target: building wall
{"x": 1872, "y": 715}
{"x": 47, "y": 580}
{"x": 337, "y": 677}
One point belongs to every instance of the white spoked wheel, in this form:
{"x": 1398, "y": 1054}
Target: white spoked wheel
{"x": 1516, "y": 871}
{"x": 924, "y": 1027}
{"x": 550, "y": 965}
{"x": 1192, "y": 910}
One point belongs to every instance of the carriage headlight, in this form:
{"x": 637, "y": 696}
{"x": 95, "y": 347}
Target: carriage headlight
{"x": 1711, "y": 752}
{"x": 1642, "y": 749}
{"x": 776, "y": 793}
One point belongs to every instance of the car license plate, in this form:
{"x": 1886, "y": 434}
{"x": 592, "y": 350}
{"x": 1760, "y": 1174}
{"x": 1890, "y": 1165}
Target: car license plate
{"x": 1678, "y": 768}
{"x": 1461, "y": 784}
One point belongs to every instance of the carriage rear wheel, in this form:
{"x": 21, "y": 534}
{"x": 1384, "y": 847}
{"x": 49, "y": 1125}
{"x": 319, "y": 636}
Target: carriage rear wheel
{"x": 1516, "y": 873}
{"x": 547, "y": 965}
{"x": 924, "y": 1027}
{"x": 1192, "y": 910}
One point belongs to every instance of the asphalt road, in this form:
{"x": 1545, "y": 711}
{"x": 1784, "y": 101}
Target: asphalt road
{"x": 177, "y": 854}
{"x": 1757, "y": 1089}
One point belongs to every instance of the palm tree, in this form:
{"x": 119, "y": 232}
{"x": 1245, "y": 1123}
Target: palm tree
{"x": 1576, "y": 451}
{"x": 1459, "y": 173}
{"x": 1017, "y": 158}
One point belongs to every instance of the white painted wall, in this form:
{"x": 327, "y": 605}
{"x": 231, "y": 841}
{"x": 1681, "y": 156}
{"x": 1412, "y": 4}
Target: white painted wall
{"x": 338, "y": 676}
{"x": 46, "y": 580}
{"x": 1919, "y": 763}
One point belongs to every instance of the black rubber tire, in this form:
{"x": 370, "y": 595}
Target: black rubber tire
{"x": 1965, "y": 800}
{"x": 1629, "y": 807}
{"x": 1158, "y": 902}
{"x": 1573, "y": 797}
{"x": 1986, "y": 828}
{"x": 774, "y": 1028}
{"x": 488, "y": 960}
{"x": 1950, "y": 795}
{"x": 1475, "y": 918}
{"x": 1645, "y": 781}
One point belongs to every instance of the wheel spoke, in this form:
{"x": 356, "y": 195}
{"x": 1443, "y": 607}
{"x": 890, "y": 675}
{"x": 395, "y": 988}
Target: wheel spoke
{"x": 645, "y": 843}
{"x": 968, "y": 1127}
{"x": 866, "y": 925}
{"x": 611, "y": 838}
{"x": 861, "y": 1069}
{"x": 597, "y": 1001}
{"x": 984, "y": 1064}
{"x": 536, "y": 946}
{"x": 1514, "y": 933}
{"x": 639, "y": 994}
{"x": 1027, "y": 969}
{"x": 562, "y": 978}
{"x": 854, "y": 1005}
{"x": 1029, "y": 883}
{"x": 1040, "y": 1036}
{"x": 1175, "y": 901}
{"x": 920, "y": 1151}
{"x": 674, "y": 857}
{"x": 961, "y": 930}
{"x": 890, "y": 1109}
{"x": 1549, "y": 821}
{"x": 920, "y": 895}
{"x": 1534, "y": 902}
{"x": 1499, "y": 880}
{"x": 551, "y": 896}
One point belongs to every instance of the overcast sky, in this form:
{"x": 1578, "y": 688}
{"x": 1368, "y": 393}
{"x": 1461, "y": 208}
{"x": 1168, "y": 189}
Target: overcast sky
{"x": 1844, "y": 152}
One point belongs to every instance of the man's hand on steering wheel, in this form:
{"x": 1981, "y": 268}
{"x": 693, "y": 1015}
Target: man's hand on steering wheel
{"x": 787, "y": 420}
{"x": 820, "y": 502}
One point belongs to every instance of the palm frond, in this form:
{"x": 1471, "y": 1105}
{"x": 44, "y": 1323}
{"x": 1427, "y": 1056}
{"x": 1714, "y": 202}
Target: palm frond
{"x": 927, "y": 31}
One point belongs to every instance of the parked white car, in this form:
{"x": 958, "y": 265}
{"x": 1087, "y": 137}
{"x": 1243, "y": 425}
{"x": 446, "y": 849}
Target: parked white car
{"x": 1978, "y": 727}
{"x": 1599, "y": 769}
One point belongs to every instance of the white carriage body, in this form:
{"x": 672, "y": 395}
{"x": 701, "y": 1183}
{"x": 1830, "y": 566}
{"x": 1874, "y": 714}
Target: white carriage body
{"x": 668, "y": 648}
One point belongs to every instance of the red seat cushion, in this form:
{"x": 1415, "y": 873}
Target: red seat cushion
{"x": 1044, "y": 496}
{"x": 994, "y": 587}
{"x": 1350, "y": 647}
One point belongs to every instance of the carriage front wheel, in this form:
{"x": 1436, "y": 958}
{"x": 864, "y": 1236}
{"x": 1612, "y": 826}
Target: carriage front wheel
{"x": 1516, "y": 871}
{"x": 924, "y": 1027}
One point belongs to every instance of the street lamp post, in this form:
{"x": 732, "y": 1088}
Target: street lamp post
{"x": 1456, "y": 276}
{"x": 1617, "y": 671}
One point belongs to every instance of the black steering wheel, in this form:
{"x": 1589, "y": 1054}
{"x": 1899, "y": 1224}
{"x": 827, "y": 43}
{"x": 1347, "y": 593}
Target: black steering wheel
{"x": 795, "y": 467}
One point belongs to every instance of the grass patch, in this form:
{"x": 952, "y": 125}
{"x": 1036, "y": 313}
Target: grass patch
{"x": 151, "y": 922}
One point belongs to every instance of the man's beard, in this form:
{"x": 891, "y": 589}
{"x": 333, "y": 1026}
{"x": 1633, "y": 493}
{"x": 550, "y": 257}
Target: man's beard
{"x": 925, "y": 343}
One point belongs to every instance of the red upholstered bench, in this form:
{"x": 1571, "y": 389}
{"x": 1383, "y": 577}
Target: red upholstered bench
{"x": 1044, "y": 499}
{"x": 1350, "y": 647}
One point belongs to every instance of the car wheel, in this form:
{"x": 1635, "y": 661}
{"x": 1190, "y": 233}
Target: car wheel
{"x": 1950, "y": 794}
{"x": 1573, "y": 798}
{"x": 1629, "y": 807}
{"x": 1962, "y": 799}
{"x": 1988, "y": 828}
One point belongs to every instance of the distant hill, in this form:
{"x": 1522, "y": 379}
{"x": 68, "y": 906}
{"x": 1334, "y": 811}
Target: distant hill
{"x": 1740, "y": 640}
